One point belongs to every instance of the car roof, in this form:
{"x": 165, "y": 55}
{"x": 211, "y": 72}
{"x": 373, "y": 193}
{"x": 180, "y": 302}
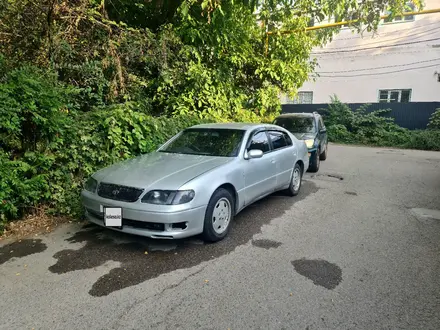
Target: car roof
{"x": 302, "y": 114}
{"x": 239, "y": 126}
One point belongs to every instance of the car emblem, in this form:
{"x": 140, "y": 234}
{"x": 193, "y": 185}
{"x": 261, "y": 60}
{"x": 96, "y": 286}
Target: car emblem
{"x": 115, "y": 192}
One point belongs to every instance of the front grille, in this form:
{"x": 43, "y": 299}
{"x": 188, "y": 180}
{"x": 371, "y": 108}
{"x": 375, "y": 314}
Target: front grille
{"x": 119, "y": 193}
{"x": 132, "y": 223}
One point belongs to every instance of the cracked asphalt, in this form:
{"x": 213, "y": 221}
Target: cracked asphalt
{"x": 359, "y": 248}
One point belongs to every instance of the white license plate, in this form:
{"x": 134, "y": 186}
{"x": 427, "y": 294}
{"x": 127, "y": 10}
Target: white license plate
{"x": 113, "y": 216}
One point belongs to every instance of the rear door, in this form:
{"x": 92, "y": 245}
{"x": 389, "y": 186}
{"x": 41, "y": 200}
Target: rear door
{"x": 260, "y": 173}
{"x": 285, "y": 155}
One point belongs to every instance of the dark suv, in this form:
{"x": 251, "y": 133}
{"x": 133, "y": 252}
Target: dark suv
{"x": 310, "y": 128}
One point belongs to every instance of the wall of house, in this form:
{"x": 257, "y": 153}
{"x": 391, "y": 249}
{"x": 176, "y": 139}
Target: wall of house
{"x": 357, "y": 76}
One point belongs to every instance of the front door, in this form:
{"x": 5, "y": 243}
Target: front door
{"x": 322, "y": 135}
{"x": 260, "y": 173}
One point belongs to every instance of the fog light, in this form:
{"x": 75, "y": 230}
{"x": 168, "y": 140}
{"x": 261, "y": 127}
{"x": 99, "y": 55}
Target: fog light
{"x": 180, "y": 225}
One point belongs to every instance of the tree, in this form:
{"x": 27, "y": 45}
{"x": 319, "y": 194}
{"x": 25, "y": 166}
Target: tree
{"x": 203, "y": 56}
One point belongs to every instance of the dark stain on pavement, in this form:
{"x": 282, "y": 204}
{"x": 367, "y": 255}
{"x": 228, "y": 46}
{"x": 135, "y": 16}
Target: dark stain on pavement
{"x": 321, "y": 272}
{"x": 163, "y": 256}
{"x": 335, "y": 176}
{"x": 332, "y": 177}
{"x": 390, "y": 152}
{"x": 21, "y": 249}
{"x": 351, "y": 193}
{"x": 266, "y": 244}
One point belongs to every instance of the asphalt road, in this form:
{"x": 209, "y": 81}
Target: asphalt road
{"x": 359, "y": 248}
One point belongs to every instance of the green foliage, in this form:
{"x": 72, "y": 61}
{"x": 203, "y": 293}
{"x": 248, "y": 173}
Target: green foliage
{"x": 21, "y": 185}
{"x": 33, "y": 108}
{"x": 424, "y": 139}
{"x": 55, "y": 176}
{"x": 434, "y": 121}
{"x": 373, "y": 128}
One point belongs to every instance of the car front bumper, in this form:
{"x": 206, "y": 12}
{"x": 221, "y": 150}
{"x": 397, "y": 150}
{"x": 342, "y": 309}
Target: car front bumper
{"x": 140, "y": 222}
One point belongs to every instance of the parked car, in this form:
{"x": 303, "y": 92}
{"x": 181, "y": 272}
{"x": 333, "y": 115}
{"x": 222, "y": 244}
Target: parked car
{"x": 310, "y": 128}
{"x": 197, "y": 181}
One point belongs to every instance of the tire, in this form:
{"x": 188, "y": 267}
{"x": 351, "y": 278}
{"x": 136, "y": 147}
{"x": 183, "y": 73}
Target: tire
{"x": 314, "y": 162}
{"x": 323, "y": 156}
{"x": 220, "y": 206}
{"x": 295, "y": 185}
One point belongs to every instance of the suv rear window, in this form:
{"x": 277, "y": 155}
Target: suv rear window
{"x": 297, "y": 124}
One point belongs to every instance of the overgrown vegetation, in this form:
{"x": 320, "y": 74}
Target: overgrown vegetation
{"x": 375, "y": 128}
{"x": 434, "y": 121}
{"x": 86, "y": 83}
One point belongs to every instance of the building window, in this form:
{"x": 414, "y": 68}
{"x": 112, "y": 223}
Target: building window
{"x": 408, "y": 8}
{"x": 304, "y": 98}
{"x": 395, "y": 95}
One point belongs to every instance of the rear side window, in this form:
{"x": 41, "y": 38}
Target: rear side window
{"x": 278, "y": 140}
{"x": 288, "y": 139}
{"x": 260, "y": 142}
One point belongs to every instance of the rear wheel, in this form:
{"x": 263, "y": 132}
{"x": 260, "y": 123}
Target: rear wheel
{"x": 323, "y": 156}
{"x": 295, "y": 181}
{"x": 314, "y": 162}
{"x": 219, "y": 215}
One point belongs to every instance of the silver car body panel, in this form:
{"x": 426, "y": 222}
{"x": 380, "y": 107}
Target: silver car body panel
{"x": 252, "y": 179}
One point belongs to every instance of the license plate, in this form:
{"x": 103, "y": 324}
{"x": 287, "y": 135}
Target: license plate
{"x": 113, "y": 216}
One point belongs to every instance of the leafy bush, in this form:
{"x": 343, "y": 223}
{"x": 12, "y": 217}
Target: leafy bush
{"x": 374, "y": 128}
{"x": 424, "y": 139}
{"x": 434, "y": 121}
{"x": 33, "y": 109}
{"x": 21, "y": 187}
{"x": 88, "y": 141}
{"x": 339, "y": 133}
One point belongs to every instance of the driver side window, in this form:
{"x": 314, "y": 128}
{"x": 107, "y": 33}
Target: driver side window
{"x": 260, "y": 142}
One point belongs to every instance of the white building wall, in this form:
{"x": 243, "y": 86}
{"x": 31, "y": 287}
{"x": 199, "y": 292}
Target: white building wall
{"x": 362, "y": 88}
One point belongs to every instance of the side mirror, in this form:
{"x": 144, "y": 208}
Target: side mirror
{"x": 255, "y": 153}
{"x": 322, "y": 130}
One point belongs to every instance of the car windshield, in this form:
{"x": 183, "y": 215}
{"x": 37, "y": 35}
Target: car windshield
{"x": 297, "y": 124}
{"x": 207, "y": 141}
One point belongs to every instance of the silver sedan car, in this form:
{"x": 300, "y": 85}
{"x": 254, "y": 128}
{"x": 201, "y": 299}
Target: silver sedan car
{"x": 197, "y": 181}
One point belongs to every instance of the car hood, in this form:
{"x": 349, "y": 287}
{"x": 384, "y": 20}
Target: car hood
{"x": 304, "y": 136}
{"x": 159, "y": 170}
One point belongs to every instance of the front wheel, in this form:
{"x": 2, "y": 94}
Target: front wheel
{"x": 323, "y": 156}
{"x": 314, "y": 162}
{"x": 295, "y": 181}
{"x": 219, "y": 215}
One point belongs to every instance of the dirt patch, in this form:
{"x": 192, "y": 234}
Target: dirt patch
{"x": 31, "y": 225}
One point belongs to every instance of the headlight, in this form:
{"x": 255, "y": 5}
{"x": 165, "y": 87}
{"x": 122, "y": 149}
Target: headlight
{"x": 91, "y": 185}
{"x": 168, "y": 197}
{"x": 309, "y": 143}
